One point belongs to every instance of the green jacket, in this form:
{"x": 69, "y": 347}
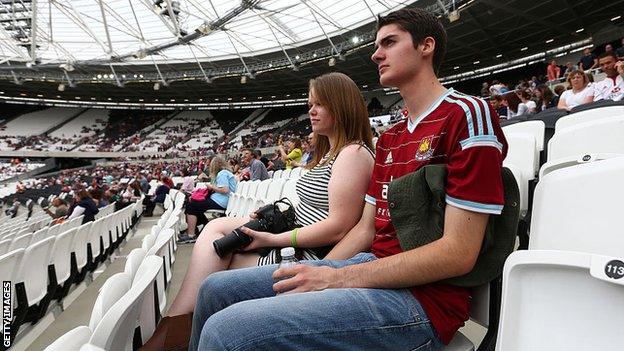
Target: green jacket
{"x": 417, "y": 204}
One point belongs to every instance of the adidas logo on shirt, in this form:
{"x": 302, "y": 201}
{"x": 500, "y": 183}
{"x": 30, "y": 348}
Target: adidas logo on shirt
{"x": 388, "y": 158}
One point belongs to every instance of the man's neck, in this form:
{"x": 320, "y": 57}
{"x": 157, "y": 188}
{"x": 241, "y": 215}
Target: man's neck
{"x": 420, "y": 93}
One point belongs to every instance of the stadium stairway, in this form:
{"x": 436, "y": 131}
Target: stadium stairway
{"x": 79, "y": 311}
{"x": 60, "y": 125}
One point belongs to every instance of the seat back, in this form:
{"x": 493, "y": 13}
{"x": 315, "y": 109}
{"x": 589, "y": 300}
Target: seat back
{"x": 133, "y": 261}
{"x": 587, "y": 116}
{"x": 116, "y": 329}
{"x": 523, "y": 153}
{"x": 40, "y": 234}
{"x": 148, "y": 314}
{"x": 94, "y": 236}
{"x": 295, "y": 173}
{"x": 600, "y": 136}
{"x": 278, "y": 174}
{"x": 575, "y": 209}
{"x": 4, "y": 245}
{"x": 9, "y": 265}
{"x": 55, "y": 229}
{"x": 286, "y": 173}
{"x": 34, "y": 270}
{"x": 80, "y": 244}
{"x": 20, "y": 242}
{"x": 148, "y": 241}
{"x": 274, "y": 192}
{"x": 113, "y": 289}
{"x": 61, "y": 254}
{"x": 290, "y": 192}
{"x": 537, "y": 315}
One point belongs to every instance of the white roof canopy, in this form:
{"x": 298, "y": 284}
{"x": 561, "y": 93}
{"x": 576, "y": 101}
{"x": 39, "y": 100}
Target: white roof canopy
{"x": 98, "y": 30}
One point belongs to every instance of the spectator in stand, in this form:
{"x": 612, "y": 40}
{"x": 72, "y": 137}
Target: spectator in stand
{"x": 553, "y": 71}
{"x": 620, "y": 51}
{"x": 60, "y": 208}
{"x": 580, "y": 93}
{"x": 308, "y": 151}
{"x": 485, "y": 89}
{"x": 559, "y": 89}
{"x": 294, "y": 152}
{"x": 511, "y": 100}
{"x": 498, "y": 88}
{"x": 257, "y": 170}
{"x": 545, "y": 98}
{"x": 526, "y": 105}
{"x": 588, "y": 61}
{"x": 188, "y": 184}
{"x": 85, "y": 206}
{"x": 612, "y": 87}
{"x": 608, "y": 48}
{"x": 166, "y": 180}
{"x": 331, "y": 194}
{"x": 158, "y": 198}
{"x": 569, "y": 68}
{"x": 497, "y": 103}
{"x": 222, "y": 186}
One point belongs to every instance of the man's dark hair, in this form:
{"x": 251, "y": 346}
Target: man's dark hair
{"x": 420, "y": 24}
{"x": 257, "y": 153}
{"x": 608, "y": 54}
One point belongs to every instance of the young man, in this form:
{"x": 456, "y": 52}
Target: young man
{"x": 387, "y": 299}
{"x": 257, "y": 170}
{"x": 612, "y": 87}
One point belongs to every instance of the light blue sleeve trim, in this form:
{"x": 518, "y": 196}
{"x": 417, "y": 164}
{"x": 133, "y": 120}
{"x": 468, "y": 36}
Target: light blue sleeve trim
{"x": 474, "y": 206}
{"x": 481, "y": 140}
{"x": 371, "y": 200}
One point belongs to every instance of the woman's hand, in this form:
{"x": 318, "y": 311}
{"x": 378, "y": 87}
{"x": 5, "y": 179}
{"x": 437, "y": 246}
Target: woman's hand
{"x": 259, "y": 239}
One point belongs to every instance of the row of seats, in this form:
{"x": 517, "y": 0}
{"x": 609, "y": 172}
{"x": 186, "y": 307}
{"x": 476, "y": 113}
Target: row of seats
{"x": 131, "y": 303}
{"x": 573, "y": 237}
{"x": 288, "y": 173}
{"x": 51, "y": 264}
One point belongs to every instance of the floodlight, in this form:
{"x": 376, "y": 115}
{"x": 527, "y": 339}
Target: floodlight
{"x": 67, "y": 67}
{"x": 61, "y": 87}
{"x": 243, "y": 79}
{"x": 453, "y": 16}
{"x": 157, "y": 86}
{"x": 332, "y": 62}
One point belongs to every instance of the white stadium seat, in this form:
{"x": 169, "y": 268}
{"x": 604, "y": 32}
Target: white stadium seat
{"x": 588, "y": 116}
{"x": 600, "y": 136}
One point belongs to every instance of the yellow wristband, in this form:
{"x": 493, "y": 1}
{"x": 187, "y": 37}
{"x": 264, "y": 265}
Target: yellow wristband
{"x": 293, "y": 237}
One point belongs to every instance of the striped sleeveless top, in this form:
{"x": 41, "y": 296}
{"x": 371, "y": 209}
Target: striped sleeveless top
{"x": 312, "y": 189}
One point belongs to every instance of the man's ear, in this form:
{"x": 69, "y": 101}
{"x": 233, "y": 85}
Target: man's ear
{"x": 428, "y": 46}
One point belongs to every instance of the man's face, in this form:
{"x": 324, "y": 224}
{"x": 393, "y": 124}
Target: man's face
{"x": 495, "y": 103}
{"x": 247, "y": 157}
{"x": 587, "y": 52}
{"x": 396, "y": 58}
{"x": 607, "y": 65}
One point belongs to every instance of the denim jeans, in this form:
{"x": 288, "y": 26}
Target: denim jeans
{"x": 238, "y": 310}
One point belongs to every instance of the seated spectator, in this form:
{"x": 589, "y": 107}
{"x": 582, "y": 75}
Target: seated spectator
{"x": 257, "y": 170}
{"x": 612, "y": 87}
{"x": 545, "y": 98}
{"x": 381, "y": 296}
{"x": 588, "y": 61}
{"x": 512, "y": 101}
{"x": 331, "y": 194}
{"x": 580, "y": 93}
{"x": 308, "y": 151}
{"x": 84, "y": 206}
{"x": 526, "y": 106}
{"x": 158, "y": 198}
{"x": 60, "y": 208}
{"x": 569, "y": 68}
{"x": 188, "y": 184}
{"x": 294, "y": 152}
{"x": 497, "y": 103}
{"x": 553, "y": 71}
{"x": 216, "y": 197}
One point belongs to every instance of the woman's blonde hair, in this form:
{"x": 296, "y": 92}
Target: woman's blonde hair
{"x": 577, "y": 72}
{"x": 343, "y": 100}
{"x": 217, "y": 165}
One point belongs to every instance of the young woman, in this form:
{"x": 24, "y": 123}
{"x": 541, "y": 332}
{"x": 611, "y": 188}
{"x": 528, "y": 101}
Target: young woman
{"x": 331, "y": 198}
{"x": 580, "y": 92}
{"x": 294, "y": 152}
{"x": 526, "y": 106}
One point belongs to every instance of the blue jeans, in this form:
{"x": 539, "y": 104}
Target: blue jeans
{"x": 238, "y": 310}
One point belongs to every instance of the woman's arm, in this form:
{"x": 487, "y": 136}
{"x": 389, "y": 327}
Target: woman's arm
{"x": 78, "y": 211}
{"x": 351, "y": 173}
{"x": 562, "y": 104}
{"x": 359, "y": 239}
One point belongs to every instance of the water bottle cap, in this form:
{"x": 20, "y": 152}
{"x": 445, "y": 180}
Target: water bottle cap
{"x": 287, "y": 251}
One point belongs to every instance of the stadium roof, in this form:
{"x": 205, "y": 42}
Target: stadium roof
{"x": 274, "y": 47}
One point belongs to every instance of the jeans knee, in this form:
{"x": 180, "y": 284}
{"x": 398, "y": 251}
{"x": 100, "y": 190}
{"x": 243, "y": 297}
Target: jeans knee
{"x": 213, "y": 291}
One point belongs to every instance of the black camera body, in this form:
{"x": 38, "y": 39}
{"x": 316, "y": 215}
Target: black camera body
{"x": 269, "y": 219}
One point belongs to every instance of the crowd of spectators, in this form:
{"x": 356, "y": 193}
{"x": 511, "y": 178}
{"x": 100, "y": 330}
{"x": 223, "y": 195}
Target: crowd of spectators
{"x": 15, "y": 168}
{"x": 563, "y": 89}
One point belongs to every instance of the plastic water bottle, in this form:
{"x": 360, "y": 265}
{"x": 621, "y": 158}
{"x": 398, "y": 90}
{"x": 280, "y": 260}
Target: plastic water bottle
{"x": 288, "y": 259}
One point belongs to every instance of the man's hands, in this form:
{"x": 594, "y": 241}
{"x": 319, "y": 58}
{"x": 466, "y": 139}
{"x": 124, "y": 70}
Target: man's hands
{"x": 307, "y": 278}
{"x": 620, "y": 67}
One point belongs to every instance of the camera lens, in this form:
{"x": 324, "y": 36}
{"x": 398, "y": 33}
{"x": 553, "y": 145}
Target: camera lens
{"x": 237, "y": 239}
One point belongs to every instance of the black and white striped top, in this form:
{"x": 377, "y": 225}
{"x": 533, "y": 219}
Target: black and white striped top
{"x": 312, "y": 189}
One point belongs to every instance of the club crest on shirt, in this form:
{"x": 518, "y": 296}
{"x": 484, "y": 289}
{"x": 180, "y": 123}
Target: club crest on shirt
{"x": 425, "y": 151}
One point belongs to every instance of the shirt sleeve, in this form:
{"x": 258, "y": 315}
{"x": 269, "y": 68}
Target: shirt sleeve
{"x": 222, "y": 179}
{"x": 294, "y": 155}
{"x": 474, "y": 179}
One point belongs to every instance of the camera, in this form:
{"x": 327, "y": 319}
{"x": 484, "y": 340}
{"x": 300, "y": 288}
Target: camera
{"x": 269, "y": 219}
